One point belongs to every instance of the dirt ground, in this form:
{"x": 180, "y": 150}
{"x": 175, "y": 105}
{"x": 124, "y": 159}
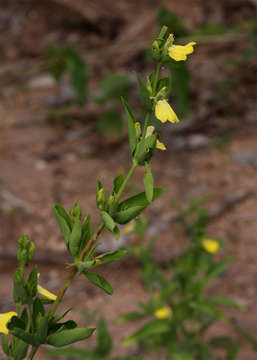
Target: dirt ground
{"x": 212, "y": 154}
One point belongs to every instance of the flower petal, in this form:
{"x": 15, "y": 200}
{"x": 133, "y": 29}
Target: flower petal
{"x": 210, "y": 245}
{"x": 164, "y": 112}
{"x": 163, "y": 313}
{"x": 160, "y": 145}
{"x": 4, "y": 318}
{"x": 45, "y": 293}
{"x": 180, "y": 52}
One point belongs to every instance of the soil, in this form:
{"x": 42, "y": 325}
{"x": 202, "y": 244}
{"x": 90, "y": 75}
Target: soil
{"x": 211, "y": 155}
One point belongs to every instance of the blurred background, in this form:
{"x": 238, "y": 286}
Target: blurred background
{"x": 63, "y": 66}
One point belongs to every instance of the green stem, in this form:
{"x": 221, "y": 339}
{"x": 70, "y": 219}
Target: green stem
{"x": 156, "y": 77}
{"x": 130, "y": 173}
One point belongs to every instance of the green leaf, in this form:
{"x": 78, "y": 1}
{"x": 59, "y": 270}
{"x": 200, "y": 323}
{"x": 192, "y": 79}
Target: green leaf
{"x": 144, "y": 95}
{"x": 61, "y": 315}
{"x": 32, "y": 282}
{"x": 25, "y": 336}
{"x": 110, "y": 224}
{"x": 148, "y": 183}
{"x": 86, "y": 233}
{"x": 133, "y": 206}
{"x": 38, "y": 310}
{"x": 207, "y": 307}
{"x": 100, "y": 281}
{"x": 20, "y": 350}
{"x": 163, "y": 82}
{"x": 73, "y": 353}
{"x": 218, "y": 269}
{"x": 146, "y": 148}
{"x": 113, "y": 86}
{"x": 225, "y": 301}
{"x": 117, "y": 182}
{"x": 20, "y": 287}
{"x": 85, "y": 265}
{"x": 64, "y": 224}
{"x": 131, "y": 126}
{"x": 104, "y": 340}
{"x": 24, "y": 316}
{"x": 154, "y": 327}
{"x": 110, "y": 123}
{"x": 42, "y": 329}
{"x": 180, "y": 83}
{"x": 67, "y": 337}
{"x": 133, "y": 315}
{"x": 75, "y": 237}
{"x": 16, "y": 322}
{"x": 5, "y": 345}
{"x": 111, "y": 256}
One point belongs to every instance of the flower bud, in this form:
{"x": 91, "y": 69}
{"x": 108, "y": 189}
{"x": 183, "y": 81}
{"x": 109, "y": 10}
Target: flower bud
{"x": 156, "y": 51}
{"x": 25, "y": 251}
{"x": 100, "y": 199}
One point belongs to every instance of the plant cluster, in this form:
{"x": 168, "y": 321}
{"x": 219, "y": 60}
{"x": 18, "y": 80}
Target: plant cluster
{"x": 180, "y": 310}
{"x": 32, "y": 324}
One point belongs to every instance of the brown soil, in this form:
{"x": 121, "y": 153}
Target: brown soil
{"x": 43, "y": 162}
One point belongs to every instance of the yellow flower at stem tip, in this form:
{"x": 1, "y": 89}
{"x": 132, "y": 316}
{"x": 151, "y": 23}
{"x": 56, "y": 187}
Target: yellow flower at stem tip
{"x": 4, "y": 318}
{"x": 163, "y": 313}
{"x": 210, "y": 245}
{"x": 164, "y": 112}
{"x": 179, "y": 52}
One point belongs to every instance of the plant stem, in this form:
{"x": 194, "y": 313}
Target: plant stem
{"x": 130, "y": 173}
{"x": 73, "y": 271}
{"x": 156, "y": 77}
{"x": 148, "y": 115}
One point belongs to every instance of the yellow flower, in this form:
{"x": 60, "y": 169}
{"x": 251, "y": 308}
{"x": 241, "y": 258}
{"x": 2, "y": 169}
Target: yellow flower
{"x": 164, "y": 112}
{"x": 210, "y": 245}
{"x": 163, "y": 313}
{"x": 149, "y": 131}
{"x": 45, "y": 293}
{"x": 160, "y": 145}
{"x": 179, "y": 52}
{"x": 4, "y": 318}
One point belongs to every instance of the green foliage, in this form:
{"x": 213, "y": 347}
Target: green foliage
{"x": 112, "y": 87}
{"x": 100, "y": 282}
{"x": 131, "y": 126}
{"x": 76, "y": 233}
{"x": 180, "y": 83}
{"x": 102, "y": 349}
{"x": 110, "y": 123}
{"x": 179, "y": 311}
{"x": 61, "y": 60}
